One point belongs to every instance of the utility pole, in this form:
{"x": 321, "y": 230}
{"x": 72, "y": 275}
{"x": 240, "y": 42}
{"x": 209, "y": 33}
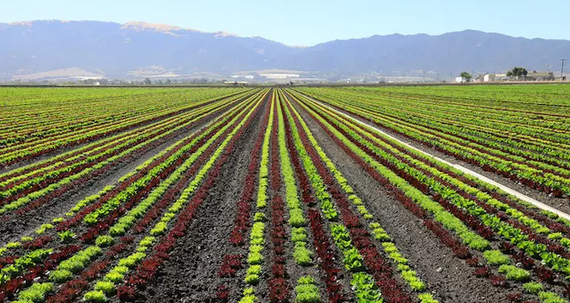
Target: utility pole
{"x": 562, "y": 69}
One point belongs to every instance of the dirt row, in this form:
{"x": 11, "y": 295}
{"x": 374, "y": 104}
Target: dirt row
{"x": 14, "y": 227}
{"x": 558, "y": 203}
{"x": 191, "y": 274}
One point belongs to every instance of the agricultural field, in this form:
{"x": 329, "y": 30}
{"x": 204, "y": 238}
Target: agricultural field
{"x": 302, "y": 194}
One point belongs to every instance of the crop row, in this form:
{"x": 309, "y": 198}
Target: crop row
{"x": 541, "y": 166}
{"x": 42, "y": 195}
{"x": 143, "y": 208}
{"x": 35, "y": 148}
{"x": 457, "y": 208}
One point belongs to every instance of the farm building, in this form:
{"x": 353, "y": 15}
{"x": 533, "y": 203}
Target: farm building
{"x": 540, "y": 76}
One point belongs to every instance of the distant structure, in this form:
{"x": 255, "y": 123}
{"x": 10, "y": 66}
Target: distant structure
{"x": 540, "y": 76}
{"x": 236, "y": 83}
{"x": 531, "y": 76}
{"x": 488, "y": 78}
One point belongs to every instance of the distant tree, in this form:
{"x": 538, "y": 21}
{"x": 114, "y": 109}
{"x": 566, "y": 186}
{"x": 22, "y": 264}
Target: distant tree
{"x": 466, "y": 76}
{"x": 147, "y": 81}
{"x": 168, "y": 81}
{"x": 517, "y": 73}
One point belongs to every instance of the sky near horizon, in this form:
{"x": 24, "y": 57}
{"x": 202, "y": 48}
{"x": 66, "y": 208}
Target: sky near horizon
{"x": 309, "y": 22}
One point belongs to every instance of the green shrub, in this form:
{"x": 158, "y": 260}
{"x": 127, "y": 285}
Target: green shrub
{"x": 533, "y": 287}
{"x": 132, "y": 260}
{"x": 427, "y": 298}
{"x": 36, "y": 293}
{"x": 147, "y": 241}
{"x": 389, "y": 247}
{"x": 306, "y": 291}
{"x": 72, "y": 264}
{"x": 259, "y": 217}
{"x": 95, "y": 296}
{"x": 352, "y": 259}
{"x": 26, "y": 239}
{"x": 256, "y": 236}
{"x": 296, "y": 218}
{"x": 248, "y": 296}
{"x": 514, "y": 273}
{"x": 555, "y": 236}
{"x": 475, "y": 241}
{"x": 411, "y": 277}
{"x": 365, "y": 288}
{"x": 302, "y": 255}
{"x": 107, "y": 287}
{"x": 550, "y": 297}
{"x": 66, "y": 236}
{"x": 104, "y": 241}
{"x": 306, "y": 280}
{"x": 256, "y": 248}
{"x": 403, "y": 267}
{"x": 248, "y": 291}
{"x": 117, "y": 230}
{"x": 92, "y": 251}
{"x": 159, "y": 229}
{"x": 60, "y": 275}
{"x": 298, "y": 234}
{"x": 115, "y": 276}
{"x": 12, "y": 245}
{"x": 380, "y": 234}
{"x": 252, "y": 279}
{"x": 43, "y": 228}
{"x": 495, "y": 257}
{"x": 254, "y": 258}
{"x": 396, "y": 256}
{"x": 121, "y": 269}
{"x": 254, "y": 270}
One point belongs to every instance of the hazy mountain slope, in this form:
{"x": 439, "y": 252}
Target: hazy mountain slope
{"x": 114, "y": 50}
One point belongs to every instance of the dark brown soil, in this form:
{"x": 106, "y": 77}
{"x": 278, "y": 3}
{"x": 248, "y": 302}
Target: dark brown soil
{"x": 18, "y": 226}
{"x": 561, "y": 204}
{"x": 62, "y": 150}
{"x": 454, "y": 282}
{"x": 191, "y": 274}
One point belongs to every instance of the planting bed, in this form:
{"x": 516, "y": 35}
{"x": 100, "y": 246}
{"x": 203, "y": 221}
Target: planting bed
{"x": 274, "y": 195}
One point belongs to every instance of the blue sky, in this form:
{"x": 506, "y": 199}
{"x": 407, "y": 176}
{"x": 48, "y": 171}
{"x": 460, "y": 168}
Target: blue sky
{"x": 305, "y": 23}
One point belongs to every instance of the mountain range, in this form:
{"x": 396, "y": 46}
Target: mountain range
{"x": 56, "y": 49}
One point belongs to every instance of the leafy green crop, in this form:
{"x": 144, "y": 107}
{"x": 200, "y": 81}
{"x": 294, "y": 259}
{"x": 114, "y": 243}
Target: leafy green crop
{"x": 514, "y": 273}
{"x": 533, "y": 287}
{"x": 96, "y": 296}
{"x": 495, "y": 257}
{"x": 306, "y": 290}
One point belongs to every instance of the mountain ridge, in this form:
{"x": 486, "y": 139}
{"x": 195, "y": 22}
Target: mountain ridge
{"x": 118, "y": 50}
